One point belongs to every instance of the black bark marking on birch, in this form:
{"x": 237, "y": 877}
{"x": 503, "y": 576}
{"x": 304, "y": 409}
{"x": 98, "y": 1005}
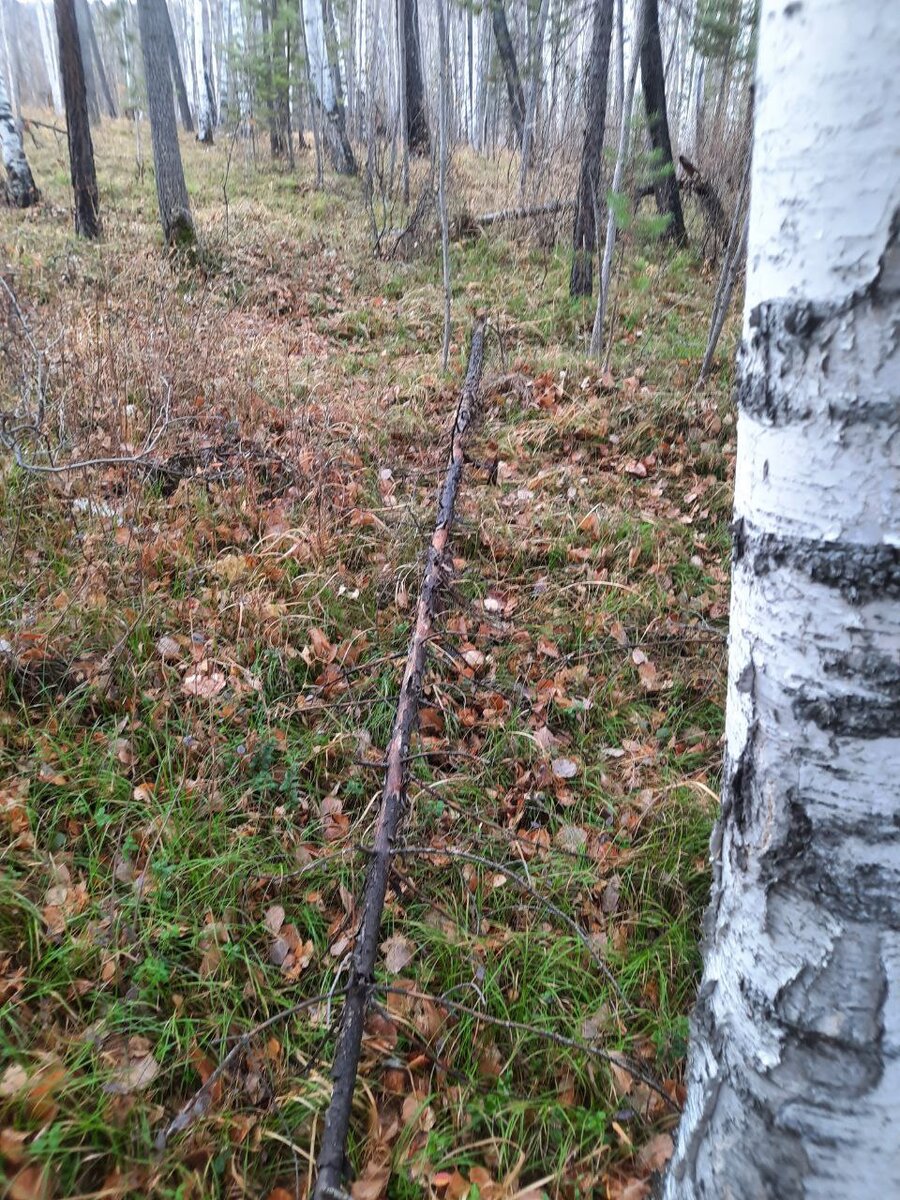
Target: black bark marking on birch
{"x": 853, "y": 716}
{"x": 860, "y": 573}
{"x": 795, "y": 339}
{"x": 332, "y": 1150}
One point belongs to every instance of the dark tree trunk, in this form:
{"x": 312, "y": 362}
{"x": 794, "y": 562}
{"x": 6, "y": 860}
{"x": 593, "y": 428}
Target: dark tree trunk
{"x": 82, "y": 18}
{"x": 587, "y": 199}
{"x": 510, "y": 68}
{"x": 665, "y": 186}
{"x": 414, "y": 87}
{"x": 97, "y": 60}
{"x": 171, "y": 190}
{"x": 170, "y": 47}
{"x": 78, "y": 126}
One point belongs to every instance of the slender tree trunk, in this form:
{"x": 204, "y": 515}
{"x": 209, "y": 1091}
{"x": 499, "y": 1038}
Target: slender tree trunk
{"x": 206, "y": 101}
{"x": 510, "y": 68}
{"x": 78, "y": 126}
{"x": 314, "y": 108}
{"x": 84, "y": 41}
{"x": 626, "y": 100}
{"x": 171, "y": 190}
{"x": 587, "y": 198}
{"x": 414, "y": 87}
{"x": 668, "y": 200}
{"x": 794, "y": 1069}
{"x": 444, "y": 116}
{"x": 109, "y": 100}
{"x": 51, "y": 56}
{"x": 734, "y": 255}
{"x": 321, "y": 40}
{"x": 534, "y": 84}
{"x": 171, "y": 49}
{"x": 20, "y": 187}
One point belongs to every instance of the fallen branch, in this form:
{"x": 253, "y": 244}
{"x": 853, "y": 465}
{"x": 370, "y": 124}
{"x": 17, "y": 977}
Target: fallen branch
{"x": 524, "y": 886}
{"x": 547, "y": 1035}
{"x": 393, "y": 801}
{"x": 199, "y": 1103}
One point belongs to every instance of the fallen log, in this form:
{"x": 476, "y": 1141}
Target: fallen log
{"x": 393, "y": 802}
{"x": 523, "y": 214}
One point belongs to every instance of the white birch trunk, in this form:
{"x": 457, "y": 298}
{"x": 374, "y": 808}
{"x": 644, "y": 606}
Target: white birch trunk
{"x": 794, "y": 1068}
{"x": 20, "y": 187}
{"x": 50, "y": 56}
{"x": 203, "y": 74}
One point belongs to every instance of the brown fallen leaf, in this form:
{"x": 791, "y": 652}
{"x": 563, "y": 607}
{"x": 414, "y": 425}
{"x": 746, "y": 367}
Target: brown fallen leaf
{"x": 656, "y": 1153}
{"x": 398, "y": 952}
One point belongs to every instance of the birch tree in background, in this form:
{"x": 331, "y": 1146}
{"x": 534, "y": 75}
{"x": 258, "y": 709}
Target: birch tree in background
{"x": 794, "y": 1067}
{"x": 171, "y": 50}
{"x": 206, "y": 97}
{"x": 324, "y": 73}
{"x": 171, "y": 190}
{"x": 50, "y": 55}
{"x": 20, "y": 186}
{"x": 507, "y": 56}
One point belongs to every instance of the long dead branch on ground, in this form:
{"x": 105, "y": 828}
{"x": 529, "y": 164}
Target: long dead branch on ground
{"x": 393, "y": 800}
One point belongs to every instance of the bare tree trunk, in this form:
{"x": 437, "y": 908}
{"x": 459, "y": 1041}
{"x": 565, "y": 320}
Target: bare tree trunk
{"x": 51, "y": 56}
{"x": 587, "y": 202}
{"x": 534, "y": 84}
{"x": 510, "y": 68}
{"x": 171, "y": 48}
{"x": 444, "y": 44}
{"x": 793, "y": 1087}
{"x": 109, "y": 100}
{"x": 206, "y": 100}
{"x": 84, "y": 41}
{"x": 417, "y": 134}
{"x": 668, "y": 200}
{"x": 19, "y": 184}
{"x": 626, "y": 100}
{"x": 734, "y": 255}
{"x": 171, "y": 191}
{"x": 78, "y": 126}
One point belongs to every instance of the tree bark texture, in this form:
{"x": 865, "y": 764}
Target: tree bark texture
{"x": 206, "y": 95}
{"x": 322, "y": 45}
{"x": 171, "y": 48}
{"x": 794, "y": 1064}
{"x": 587, "y": 198}
{"x": 665, "y": 185}
{"x": 20, "y": 186}
{"x": 414, "y": 86}
{"x": 507, "y": 55}
{"x": 171, "y": 190}
{"x": 330, "y": 1178}
{"x": 78, "y": 126}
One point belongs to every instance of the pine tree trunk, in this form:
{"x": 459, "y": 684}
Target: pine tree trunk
{"x": 794, "y": 1067}
{"x": 99, "y": 68}
{"x": 510, "y": 68}
{"x": 171, "y": 190}
{"x": 414, "y": 87}
{"x": 587, "y": 198}
{"x": 171, "y": 51}
{"x": 20, "y": 187}
{"x": 78, "y": 126}
{"x": 668, "y": 200}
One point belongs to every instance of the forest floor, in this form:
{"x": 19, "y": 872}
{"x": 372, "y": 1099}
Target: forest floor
{"x": 198, "y": 671}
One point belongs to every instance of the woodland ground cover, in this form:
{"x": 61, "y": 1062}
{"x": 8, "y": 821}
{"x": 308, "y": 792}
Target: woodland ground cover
{"x": 200, "y": 668}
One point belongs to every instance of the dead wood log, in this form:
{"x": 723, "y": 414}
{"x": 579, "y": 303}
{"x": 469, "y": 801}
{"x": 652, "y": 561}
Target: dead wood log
{"x": 523, "y": 214}
{"x": 393, "y": 801}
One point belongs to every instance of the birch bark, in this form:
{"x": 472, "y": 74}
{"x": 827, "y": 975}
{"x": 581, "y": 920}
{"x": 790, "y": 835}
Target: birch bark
{"x": 794, "y": 1067}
